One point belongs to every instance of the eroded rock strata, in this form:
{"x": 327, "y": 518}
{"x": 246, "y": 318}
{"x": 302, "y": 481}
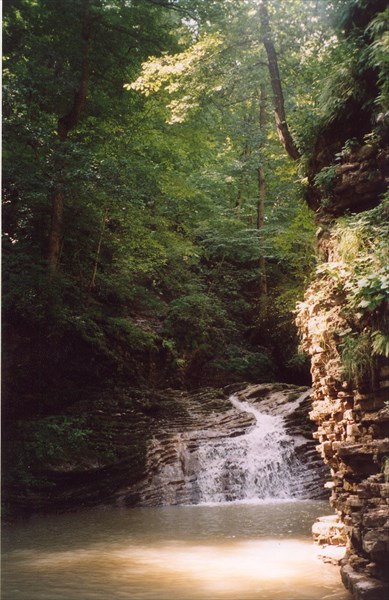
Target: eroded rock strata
{"x": 353, "y": 430}
{"x": 172, "y": 462}
{"x": 351, "y": 410}
{"x": 143, "y": 446}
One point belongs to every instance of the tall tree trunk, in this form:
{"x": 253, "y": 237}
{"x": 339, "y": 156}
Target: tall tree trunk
{"x": 65, "y": 124}
{"x": 242, "y": 181}
{"x": 279, "y": 105}
{"x": 260, "y": 222}
{"x": 261, "y": 204}
{"x": 261, "y": 197}
{"x": 92, "y": 282}
{"x": 239, "y": 200}
{"x": 55, "y": 236}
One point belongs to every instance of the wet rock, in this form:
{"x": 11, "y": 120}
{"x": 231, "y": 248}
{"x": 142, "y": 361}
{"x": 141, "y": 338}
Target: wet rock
{"x": 172, "y": 469}
{"x": 143, "y": 446}
{"x": 362, "y": 587}
{"x": 329, "y": 530}
{"x": 331, "y": 554}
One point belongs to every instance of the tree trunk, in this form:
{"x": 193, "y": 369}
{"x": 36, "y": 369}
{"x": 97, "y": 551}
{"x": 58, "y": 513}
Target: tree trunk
{"x": 242, "y": 181}
{"x": 55, "y": 237}
{"x": 239, "y": 201}
{"x": 261, "y": 197}
{"x": 92, "y": 282}
{"x": 279, "y": 107}
{"x": 65, "y": 124}
{"x": 260, "y": 223}
{"x": 261, "y": 204}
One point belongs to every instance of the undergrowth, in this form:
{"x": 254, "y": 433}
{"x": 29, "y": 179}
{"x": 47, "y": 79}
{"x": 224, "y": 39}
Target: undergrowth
{"x": 361, "y": 276}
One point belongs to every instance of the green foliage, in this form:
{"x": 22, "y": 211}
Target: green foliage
{"x": 358, "y": 352}
{"x": 240, "y": 364}
{"x": 348, "y": 147}
{"x": 159, "y": 266}
{"x": 326, "y": 177}
{"x": 34, "y": 446}
{"x": 380, "y": 343}
{"x": 379, "y": 55}
{"x": 185, "y": 70}
{"x": 361, "y": 275}
{"x": 364, "y": 250}
{"x": 362, "y": 271}
{"x": 348, "y": 74}
{"x": 198, "y": 321}
{"x": 370, "y": 292}
{"x": 135, "y": 336}
{"x": 56, "y": 439}
{"x": 343, "y": 83}
{"x": 356, "y": 356}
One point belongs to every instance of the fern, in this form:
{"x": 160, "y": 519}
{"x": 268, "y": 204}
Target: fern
{"x": 380, "y": 343}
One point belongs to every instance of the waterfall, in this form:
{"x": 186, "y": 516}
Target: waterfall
{"x": 260, "y": 464}
{"x": 245, "y": 448}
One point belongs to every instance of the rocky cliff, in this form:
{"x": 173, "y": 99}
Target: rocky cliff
{"x": 142, "y": 448}
{"x": 344, "y": 326}
{"x": 175, "y": 458}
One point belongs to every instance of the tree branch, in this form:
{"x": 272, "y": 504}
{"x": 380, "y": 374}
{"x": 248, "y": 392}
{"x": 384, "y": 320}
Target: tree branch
{"x": 70, "y": 120}
{"x": 275, "y": 79}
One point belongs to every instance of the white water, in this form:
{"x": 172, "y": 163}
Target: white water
{"x": 256, "y": 551}
{"x": 259, "y": 465}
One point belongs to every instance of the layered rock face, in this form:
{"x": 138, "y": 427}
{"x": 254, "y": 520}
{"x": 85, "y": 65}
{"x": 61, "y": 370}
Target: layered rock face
{"x": 352, "y": 430}
{"x": 146, "y": 448}
{"x": 354, "y": 184}
{"x": 180, "y": 456}
{"x": 352, "y": 412}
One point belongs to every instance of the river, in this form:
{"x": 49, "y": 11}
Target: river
{"x": 234, "y": 551}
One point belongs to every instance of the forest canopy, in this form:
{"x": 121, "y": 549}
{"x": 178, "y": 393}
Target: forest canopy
{"x": 155, "y": 160}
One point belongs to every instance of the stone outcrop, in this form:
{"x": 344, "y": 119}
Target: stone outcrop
{"x": 351, "y": 414}
{"x": 353, "y": 435}
{"x": 142, "y": 447}
{"x": 172, "y": 455}
{"x": 329, "y": 530}
{"x": 353, "y": 182}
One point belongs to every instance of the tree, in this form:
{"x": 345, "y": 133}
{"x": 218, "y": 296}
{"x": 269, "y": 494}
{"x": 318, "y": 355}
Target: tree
{"x": 144, "y": 185}
{"x": 66, "y": 69}
{"x": 66, "y": 123}
{"x": 275, "y": 79}
{"x": 261, "y": 204}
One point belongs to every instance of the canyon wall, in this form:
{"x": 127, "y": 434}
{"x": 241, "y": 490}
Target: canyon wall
{"x": 147, "y": 449}
{"x": 340, "y": 319}
{"x": 256, "y": 443}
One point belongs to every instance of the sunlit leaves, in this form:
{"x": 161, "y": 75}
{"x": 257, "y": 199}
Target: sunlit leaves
{"x": 361, "y": 271}
{"x": 379, "y": 54}
{"x": 153, "y": 172}
{"x": 183, "y": 72}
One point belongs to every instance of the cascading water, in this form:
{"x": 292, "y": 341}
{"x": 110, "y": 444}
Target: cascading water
{"x": 260, "y": 464}
{"x": 224, "y": 551}
{"x": 227, "y": 450}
